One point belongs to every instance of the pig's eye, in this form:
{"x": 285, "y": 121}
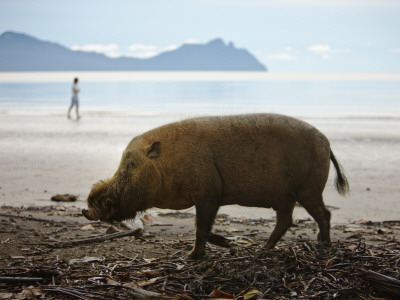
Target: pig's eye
{"x": 130, "y": 165}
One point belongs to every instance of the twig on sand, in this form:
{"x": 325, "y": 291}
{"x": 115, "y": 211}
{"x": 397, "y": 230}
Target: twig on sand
{"x": 96, "y": 239}
{"x": 87, "y": 291}
{"x": 30, "y": 218}
{"x": 65, "y": 291}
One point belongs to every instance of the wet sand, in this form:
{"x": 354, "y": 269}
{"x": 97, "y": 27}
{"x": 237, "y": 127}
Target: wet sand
{"x": 41, "y": 156}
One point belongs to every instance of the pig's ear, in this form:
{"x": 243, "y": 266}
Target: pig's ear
{"x": 154, "y": 150}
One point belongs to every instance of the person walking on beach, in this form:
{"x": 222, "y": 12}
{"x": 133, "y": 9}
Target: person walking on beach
{"x": 75, "y": 99}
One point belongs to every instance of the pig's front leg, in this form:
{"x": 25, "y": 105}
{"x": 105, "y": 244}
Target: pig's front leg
{"x": 205, "y": 215}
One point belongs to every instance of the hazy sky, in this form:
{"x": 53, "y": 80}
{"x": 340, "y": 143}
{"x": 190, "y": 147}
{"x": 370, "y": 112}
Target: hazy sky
{"x": 285, "y": 35}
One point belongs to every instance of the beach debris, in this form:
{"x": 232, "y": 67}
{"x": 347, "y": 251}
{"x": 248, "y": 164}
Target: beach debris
{"x": 217, "y": 294}
{"x": 6, "y": 295}
{"x": 64, "y": 198}
{"x": 382, "y": 282}
{"x": 251, "y": 294}
{"x": 20, "y": 279}
{"x": 294, "y": 270}
{"x": 150, "y": 220}
{"x": 88, "y": 227}
{"x": 363, "y": 222}
{"x": 96, "y": 239}
{"x": 154, "y": 267}
{"x": 384, "y": 231}
{"x": 17, "y": 257}
{"x": 31, "y": 292}
{"x": 331, "y": 207}
{"x": 112, "y": 229}
{"x": 354, "y": 228}
{"x": 133, "y": 224}
{"x": 85, "y": 259}
{"x": 177, "y": 214}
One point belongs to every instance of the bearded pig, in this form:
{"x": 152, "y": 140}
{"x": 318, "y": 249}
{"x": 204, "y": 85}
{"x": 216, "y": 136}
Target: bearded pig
{"x": 257, "y": 160}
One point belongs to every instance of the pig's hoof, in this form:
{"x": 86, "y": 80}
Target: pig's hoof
{"x": 195, "y": 254}
{"x": 269, "y": 246}
{"x": 218, "y": 240}
{"x": 326, "y": 243}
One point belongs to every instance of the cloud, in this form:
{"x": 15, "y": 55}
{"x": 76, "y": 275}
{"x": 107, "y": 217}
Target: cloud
{"x": 192, "y": 41}
{"x": 141, "y": 47}
{"x": 283, "y": 53}
{"x": 325, "y": 51}
{"x": 320, "y": 49}
{"x": 141, "y": 51}
{"x": 281, "y": 56}
{"x": 111, "y": 50}
{"x": 394, "y": 50}
{"x": 146, "y": 54}
{"x": 146, "y": 51}
{"x": 170, "y": 48}
{"x": 134, "y": 50}
{"x": 114, "y": 50}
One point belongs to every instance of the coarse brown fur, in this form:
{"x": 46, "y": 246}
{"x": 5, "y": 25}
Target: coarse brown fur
{"x": 259, "y": 160}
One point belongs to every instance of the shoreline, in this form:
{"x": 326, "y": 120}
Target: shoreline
{"x": 127, "y": 112}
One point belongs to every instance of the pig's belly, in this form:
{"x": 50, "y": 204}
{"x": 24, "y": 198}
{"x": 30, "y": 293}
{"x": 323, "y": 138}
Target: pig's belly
{"x": 263, "y": 195}
{"x": 175, "y": 203}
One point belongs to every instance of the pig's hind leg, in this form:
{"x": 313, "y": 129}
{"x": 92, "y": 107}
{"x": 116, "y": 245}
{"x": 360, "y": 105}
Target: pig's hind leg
{"x": 283, "y": 221}
{"x": 317, "y": 209}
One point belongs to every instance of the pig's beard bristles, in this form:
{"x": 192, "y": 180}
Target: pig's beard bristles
{"x": 131, "y": 201}
{"x": 131, "y": 195}
{"x": 141, "y": 194}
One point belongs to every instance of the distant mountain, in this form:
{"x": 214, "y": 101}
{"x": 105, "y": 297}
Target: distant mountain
{"x": 21, "y": 52}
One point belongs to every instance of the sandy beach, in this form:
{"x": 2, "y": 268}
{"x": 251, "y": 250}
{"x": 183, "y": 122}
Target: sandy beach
{"x": 41, "y": 156}
{"x": 50, "y": 250}
{"x": 53, "y": 252}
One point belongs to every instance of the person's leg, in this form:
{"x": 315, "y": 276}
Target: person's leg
{"x": 69, "y": 110}
{"x": 77, "y": 107}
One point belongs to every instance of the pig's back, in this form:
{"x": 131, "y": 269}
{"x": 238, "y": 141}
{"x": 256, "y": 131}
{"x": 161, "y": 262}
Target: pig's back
{"x": 259, "y": 158}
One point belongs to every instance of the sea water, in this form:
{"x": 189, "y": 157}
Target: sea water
{"x": 158, "y": 94}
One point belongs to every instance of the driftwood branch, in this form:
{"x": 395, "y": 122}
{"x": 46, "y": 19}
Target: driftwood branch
{"x": 384, "y": 283}
{"x": 66, "y": 291}
{"x": 20, "y": 279}
{"x": 138, "y": 292}
{"x": 85, "y": 292}
{"x": 30, "y": 218}
{"x": 97, "y": 239}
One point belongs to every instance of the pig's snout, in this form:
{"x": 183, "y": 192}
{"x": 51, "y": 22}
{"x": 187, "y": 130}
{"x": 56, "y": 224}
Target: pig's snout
{"x": 86, "y": 214}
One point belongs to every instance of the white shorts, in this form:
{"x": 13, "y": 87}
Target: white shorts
{"x": 75, "y": 101}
